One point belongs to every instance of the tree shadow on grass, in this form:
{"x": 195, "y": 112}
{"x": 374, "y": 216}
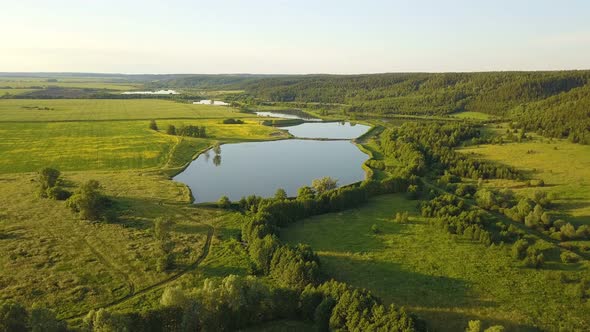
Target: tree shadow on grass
{"x": 442, "y": 301}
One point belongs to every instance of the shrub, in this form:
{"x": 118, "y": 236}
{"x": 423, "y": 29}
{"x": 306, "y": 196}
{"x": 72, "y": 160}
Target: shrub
{"x": 88, "y": 201}
{"x": 232, "y": 121}
{"x": 375, "y": 229}
{"x": 519, "y": 249}
{"x": 224, "y": 202}
{"x": 153, "y": 125}
{"x": 569, "y": 257}
{"x": 171, "y": 130}
{"x": 58, "y": 193}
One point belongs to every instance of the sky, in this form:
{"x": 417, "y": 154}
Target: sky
{"x": 293, "y": 37}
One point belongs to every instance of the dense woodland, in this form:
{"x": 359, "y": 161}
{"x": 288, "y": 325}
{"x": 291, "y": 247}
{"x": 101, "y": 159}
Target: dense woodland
{"x": 554, "y": 103}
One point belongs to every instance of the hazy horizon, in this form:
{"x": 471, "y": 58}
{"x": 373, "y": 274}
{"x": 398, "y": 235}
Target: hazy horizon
{"x": 293, "y": 37}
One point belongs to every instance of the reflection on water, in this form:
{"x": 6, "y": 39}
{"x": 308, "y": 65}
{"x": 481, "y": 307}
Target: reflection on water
{"x": 328, "y": 130}
{"x": 261, "y": 168}
{"x": 299, "y": 115}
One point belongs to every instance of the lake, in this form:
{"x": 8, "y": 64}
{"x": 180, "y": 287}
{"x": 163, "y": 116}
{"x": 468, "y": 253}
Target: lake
{"x": 327, "y": 130}
{"x": 260, "y": 168}
{"x": 295, "y": 115}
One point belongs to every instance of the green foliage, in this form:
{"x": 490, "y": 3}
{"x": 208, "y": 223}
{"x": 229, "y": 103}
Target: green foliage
{"x": 174, "y": 297}
{"x": 192, "y": 131}
{"x": 89, "y": 201}
{"x": 519, "y": 249}
{"x": 58, "y": 193}
{"x": 13, "y": 317}
{"x": 375, "y": 229}
{"x": 324, "y": 184}
{"x": 171, "y": 129}
{"x": 232, "y": 121}
{"x": 49, "y": 184}
{"x": 102, "y": 320}
{"x": 224, "y": 202}
{"x": 44, "y": 320}
{"x": 280, "y": 194}
{"x": 153, "y": 125}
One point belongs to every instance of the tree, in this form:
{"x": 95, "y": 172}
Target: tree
{"x": 88, "y": 201}
{"x": 162, "y": 229}
{"x": 305, "y": 193}
{"x": 171, "y": 130}
{"x": 224, "y": 202}
{"x": 13, "y": 317}
{"x": 519, "y": 249}
{"x": 174, "y": 297}
{"x": 324, "y": 184}
{"x": 44, "y": 320}
{"x": 102, "y": 320}
{"x": 473, "y": 326}
{"x": 153, "y": 125}
{"x": 280, "y": 194}
{"x": 322, "y": 314}
{"x": 48, "y": 178}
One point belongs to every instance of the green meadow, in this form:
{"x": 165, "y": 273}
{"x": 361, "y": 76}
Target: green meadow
{"x": 21, "y": 110}
{"x": 445, "y": 279}
{"x": 563, "y": 166}
{"x": 51, "y": 258}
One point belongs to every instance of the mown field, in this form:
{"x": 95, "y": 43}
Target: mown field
{"x": 445, "y": 279}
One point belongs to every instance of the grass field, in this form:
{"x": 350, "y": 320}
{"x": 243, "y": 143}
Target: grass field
{"x": 107, "y": 109}
{"x": 34, "y": 138}
{"x": 50, "y": 257}
{"x": 71, "y": 82}
{"x": 563, "y": 166}
{"x": 444, "y": 279}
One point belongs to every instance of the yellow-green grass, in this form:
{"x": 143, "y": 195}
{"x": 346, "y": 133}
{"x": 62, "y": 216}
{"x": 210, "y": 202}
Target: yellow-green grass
{"x": 51, "y": 257}
{"x": 14, "y": 92}
{"x": 82, "y": 83}
{"x": 107, "y": 109}
{"x": 563, "y": 166}
{"x": 110, "y": 145}
{"x": 445, "y": 279}
{"x": 472, "y": 115}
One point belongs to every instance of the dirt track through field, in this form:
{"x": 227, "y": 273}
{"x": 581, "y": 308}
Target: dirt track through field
{"x": 133, "y": 294}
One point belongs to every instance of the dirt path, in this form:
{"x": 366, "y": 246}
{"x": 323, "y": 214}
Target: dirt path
{"x": 133, "y": 294}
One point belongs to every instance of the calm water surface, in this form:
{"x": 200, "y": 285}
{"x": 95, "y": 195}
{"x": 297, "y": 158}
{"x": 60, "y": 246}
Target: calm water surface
{"x": 261, "y": 168}
{"x": 328, "y": 130}
{"x": 286, "y": 116}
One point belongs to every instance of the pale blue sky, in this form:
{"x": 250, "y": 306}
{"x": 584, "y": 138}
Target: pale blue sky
{"x": 292, "y": 37}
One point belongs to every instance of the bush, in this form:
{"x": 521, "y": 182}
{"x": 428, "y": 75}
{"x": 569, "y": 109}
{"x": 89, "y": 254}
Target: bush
{"x": 153, "y": 125}
{"x": 171, "y": 130}
{"x": 48, "y": 178}
{"x": 519, "y": 249}
{"x": 224, "y": 202}
{"x": 88, "y": 201}
{"x": 375, "y": 229}
{"x": 569, "y": 257}
{"x": 58, "y": 193}
{"x": 232, "y": 121}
